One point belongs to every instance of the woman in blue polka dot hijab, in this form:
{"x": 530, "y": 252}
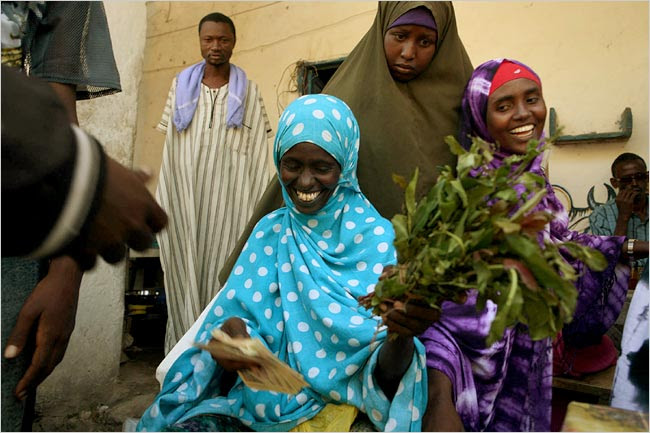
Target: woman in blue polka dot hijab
{"x": 296, "y": 286}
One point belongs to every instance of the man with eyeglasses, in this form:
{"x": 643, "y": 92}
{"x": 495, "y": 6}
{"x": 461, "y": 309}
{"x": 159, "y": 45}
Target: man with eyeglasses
{"x": 627, "y": 215}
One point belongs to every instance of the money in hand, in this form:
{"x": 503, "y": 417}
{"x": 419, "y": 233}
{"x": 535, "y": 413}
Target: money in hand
{"x": 272, "y": 374}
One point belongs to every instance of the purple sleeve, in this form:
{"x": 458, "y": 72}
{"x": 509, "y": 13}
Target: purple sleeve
{"x": 600, "y": 294}
{"x": 507, "y": 386}
{"x": 456, "y": 342}
{"x": 444, "y": 354}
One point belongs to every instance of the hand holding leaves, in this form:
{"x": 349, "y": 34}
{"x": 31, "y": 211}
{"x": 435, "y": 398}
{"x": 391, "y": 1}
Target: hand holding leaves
{"x": 477, "y": 228}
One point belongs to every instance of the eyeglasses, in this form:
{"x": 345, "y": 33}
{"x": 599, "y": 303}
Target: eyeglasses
{"x": 627, "y": 180}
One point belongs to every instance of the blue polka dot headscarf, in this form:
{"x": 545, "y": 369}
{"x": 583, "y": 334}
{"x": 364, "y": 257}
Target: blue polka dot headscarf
{"x": 296, "y": 285}
{"x": 327, "y": 122}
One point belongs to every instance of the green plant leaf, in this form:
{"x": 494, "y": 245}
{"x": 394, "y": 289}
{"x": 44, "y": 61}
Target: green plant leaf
{"x": 472, "y": 230}
{"x": 409, "y": 194}
{"x": 591, "y": 257}
{"x": 399, "y": 180}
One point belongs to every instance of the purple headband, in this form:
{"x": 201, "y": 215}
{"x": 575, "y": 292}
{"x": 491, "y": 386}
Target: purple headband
{"x": 419, "y": 16}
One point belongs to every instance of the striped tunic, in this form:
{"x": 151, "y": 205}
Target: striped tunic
{"x": 210, "y": 180}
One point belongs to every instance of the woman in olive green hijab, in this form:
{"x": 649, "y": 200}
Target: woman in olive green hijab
{"x": 403, "y": 123}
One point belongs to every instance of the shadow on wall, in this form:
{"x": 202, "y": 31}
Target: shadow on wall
{"x": 579, "y": 216}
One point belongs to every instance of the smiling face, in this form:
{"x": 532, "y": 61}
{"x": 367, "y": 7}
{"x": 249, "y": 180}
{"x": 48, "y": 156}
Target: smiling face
{"x": 310, "y": 175}
{"x": 217, "y": 42}
{"x": 409, "y": 49}
{"x": 516, "y": 112}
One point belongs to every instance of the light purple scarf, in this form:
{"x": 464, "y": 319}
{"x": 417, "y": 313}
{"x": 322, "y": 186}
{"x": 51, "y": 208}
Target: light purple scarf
{"x": 188, "y": 86}
{"x": 420, "y": 16}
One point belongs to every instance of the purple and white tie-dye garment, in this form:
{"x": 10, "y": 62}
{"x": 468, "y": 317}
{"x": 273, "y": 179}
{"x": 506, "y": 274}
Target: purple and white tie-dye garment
{"x": 507, "y": 386}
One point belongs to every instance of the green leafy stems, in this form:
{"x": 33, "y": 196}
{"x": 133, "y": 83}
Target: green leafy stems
{"x": 474, "y": 231}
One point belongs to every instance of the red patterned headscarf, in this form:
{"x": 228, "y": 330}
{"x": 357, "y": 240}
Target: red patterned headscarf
{"x": 478, "y": 89}
{"x": 509, "y": 71}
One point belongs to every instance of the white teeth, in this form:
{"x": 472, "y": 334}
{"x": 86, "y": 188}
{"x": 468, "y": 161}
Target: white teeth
{"x": 525, "y": 128}
{"x": 307, "y": 196}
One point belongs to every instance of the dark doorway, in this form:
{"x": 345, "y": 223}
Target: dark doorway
{"x": 313, "y": 76}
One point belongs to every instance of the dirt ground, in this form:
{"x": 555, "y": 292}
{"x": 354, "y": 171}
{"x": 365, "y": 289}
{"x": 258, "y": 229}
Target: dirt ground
{"x": 132, "y": 393}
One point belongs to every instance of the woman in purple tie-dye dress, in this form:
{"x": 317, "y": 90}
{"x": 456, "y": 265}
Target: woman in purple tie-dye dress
{"x": 507, "y": 386}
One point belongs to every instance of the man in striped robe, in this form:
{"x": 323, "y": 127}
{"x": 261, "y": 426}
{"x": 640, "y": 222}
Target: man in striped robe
{"x": 216, "y": 163}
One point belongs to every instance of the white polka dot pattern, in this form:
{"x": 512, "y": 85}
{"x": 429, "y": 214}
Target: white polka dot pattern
{"x": 297, "y": 285}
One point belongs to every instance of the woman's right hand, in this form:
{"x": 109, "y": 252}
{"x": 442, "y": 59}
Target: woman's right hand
{"x": 410, "y": 318}
{"x": 235, "y": 328}
{"x": 388, "y": 271}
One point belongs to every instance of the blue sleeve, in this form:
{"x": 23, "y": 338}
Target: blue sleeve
{"x": 598, "y": 223}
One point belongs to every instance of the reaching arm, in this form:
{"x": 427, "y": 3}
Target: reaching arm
{"x": 77, "y": 200}
{"x": 635, "y": 249}
{"x": 50, "y": 310}
{"x": 404, "y": 322}
{"x": 441, "y": 414}
{"x": 68, "y": 95}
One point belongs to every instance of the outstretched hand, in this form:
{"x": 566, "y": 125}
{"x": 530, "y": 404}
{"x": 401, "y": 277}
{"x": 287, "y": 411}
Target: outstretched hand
{"x": 404, "y": 321}
{"x": 128, "y": 215}
{"x": 408, "y": 319}
{"x": 51, "y": 308}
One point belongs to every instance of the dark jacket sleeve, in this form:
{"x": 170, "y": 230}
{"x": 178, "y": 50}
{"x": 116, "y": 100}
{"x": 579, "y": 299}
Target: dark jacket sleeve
{"x": 71, "y": 43}
{"x": 40, "y": 166}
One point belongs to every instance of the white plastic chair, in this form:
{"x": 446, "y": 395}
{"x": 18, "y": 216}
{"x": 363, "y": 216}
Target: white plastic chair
{"x": 183, "y": 344}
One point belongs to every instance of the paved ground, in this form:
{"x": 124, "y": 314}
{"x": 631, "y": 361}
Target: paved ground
{"x": 132, "y": 393}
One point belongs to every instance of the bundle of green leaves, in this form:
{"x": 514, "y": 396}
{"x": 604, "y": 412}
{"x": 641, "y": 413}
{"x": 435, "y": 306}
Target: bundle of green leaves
{"x": 474, "y": 231}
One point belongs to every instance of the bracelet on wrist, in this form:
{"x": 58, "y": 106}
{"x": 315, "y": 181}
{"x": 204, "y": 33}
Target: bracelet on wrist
{"x": 630, "y": 246}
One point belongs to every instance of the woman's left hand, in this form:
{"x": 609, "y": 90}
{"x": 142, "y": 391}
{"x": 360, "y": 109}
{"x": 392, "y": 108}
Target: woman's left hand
{"x": 408, "y": 319}
{"x": 404, "y": 321}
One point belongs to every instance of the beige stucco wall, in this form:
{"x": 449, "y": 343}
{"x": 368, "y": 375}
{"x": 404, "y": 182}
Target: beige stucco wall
{"x": 93, "y": 355}
{"x": 271, "y": 38}
{"x": 593, "y": 61}
{"x": 592, "y": 57}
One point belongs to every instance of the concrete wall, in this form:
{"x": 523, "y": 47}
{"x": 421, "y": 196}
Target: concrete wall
{"x": 93, "y": 355}
{"x": 592, "y": 57}
{"x": 593, "y": 61}
{"x": 271, "y": 38}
